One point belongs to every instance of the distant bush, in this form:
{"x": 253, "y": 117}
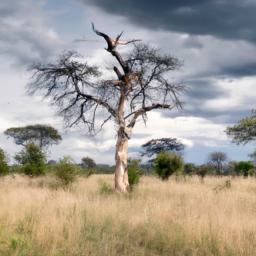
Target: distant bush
{"x": 204, "y": 170}
{"x": 168, "y": 163}
{"x": 33, "y": 160}
{"x": 66, "y": 171}
{"x": 134, "y": 172}
{"x": 245, "y": 168}
{"x": 4, "y": 169}
{"x": 189, "y": 169}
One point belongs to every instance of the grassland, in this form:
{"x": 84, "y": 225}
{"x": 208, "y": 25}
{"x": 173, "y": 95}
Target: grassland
{"x": 177, "y": 217}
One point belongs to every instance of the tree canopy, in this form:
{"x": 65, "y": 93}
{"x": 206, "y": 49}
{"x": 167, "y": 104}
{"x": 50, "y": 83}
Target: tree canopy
{"x": 244, "y": 131}
{"x": 156, "y": 146}
{"x": 41, "y": 135}
{"x": 217, "y": 160}
{"x": 88, "y": 162}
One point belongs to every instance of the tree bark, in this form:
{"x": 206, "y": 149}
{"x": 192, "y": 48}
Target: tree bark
{"x": 121, "y": 169}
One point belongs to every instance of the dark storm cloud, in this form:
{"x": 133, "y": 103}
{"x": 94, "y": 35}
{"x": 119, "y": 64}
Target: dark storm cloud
{"x": 229, "y": 19}
{"x": 240, "y": 70}
{"x": 25, "y": 35}
{"x": 203, "y": 89}
{"x": 200, "y": 91}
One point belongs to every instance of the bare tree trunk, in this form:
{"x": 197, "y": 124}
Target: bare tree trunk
{"x": 121, "y": 171}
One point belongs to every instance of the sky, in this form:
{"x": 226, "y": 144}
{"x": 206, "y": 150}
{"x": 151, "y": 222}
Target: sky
{"x": 214, "y": 39}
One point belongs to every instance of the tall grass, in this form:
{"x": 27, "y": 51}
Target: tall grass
{"x": 177, "y": 217}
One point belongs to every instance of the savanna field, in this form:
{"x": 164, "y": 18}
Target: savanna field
{"x": 181, "y": 216}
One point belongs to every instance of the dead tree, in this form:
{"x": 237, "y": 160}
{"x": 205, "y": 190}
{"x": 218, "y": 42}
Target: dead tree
{"x": 83, "y": 95}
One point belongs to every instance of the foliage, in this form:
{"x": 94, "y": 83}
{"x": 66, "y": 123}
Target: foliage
{"x": 134, "y": 172}
{"x": 190, "y": 168}
{"x": 88, "y": 162}
{"x": 4, "y": 169}
{"x": 167, "y": 163}
{"x": 203, "y": 170}
{"x": 244, "y": 131}
{"x": 66, "y": 171}
{"x": 244, "y": 168}
{"x": 41, "y": 135}
{"x": 231, "y": 168}
{"x": 217, "y": 160}
{"x": 33, "y": 159}
{"x": 156, "y": 146}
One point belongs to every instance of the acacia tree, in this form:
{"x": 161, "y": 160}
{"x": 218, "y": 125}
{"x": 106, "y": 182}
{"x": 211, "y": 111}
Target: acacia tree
{"x": 41, "y": 135}
{"x": 217, "y": 160}
{"x": 244, "y": 131}
{"x": 83, "y": 95}
{"x": 156, "y": 146}
{"x": 88, "y": 162}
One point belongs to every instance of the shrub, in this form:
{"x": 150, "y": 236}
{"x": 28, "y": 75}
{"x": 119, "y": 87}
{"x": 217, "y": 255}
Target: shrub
{"x": 4, "y": 169}
{"x": 133, "y": 172}
{"x": 33, "y": 160}
{"x": 168, "y": 163}
{"x": 189, "y": 168}
{"x": 66, "y": 171}
{"x": 244, "y": 168}
{"x": 204, "y": 169}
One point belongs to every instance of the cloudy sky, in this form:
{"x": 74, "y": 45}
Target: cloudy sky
{"x": 215, "y": 39}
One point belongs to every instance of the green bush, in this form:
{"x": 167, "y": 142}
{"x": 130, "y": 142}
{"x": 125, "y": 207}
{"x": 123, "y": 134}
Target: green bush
{"x": 245, "y": 168}
{"x": 4, "y": 169}
{"x": 189, "y": 169}
{"x": 33, "y": 169}
{"x": 66, "y": 171}
{"x": 167, "y": 163}
{"x": 133, "y": 172}
{"x": 33, "y": 160}
{"x": 204, "y": 169}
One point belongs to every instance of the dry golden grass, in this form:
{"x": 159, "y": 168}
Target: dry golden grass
{"x": 178, "y": 217}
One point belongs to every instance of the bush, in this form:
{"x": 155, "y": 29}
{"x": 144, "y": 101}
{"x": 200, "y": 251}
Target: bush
{"x": 204, "y": 169}
{"x": 245, "y": 168}
{"x": 4, "y": 169}
{"x": 33, "y": 160}
{"x": 133, "y": 172}
{"x": 66, "y": 171}
{"x": 189, "y": 169}
{"x": 168, "y": 163}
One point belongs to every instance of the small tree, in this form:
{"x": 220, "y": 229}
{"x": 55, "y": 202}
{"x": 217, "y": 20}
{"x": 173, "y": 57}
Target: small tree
{"x": 66, "y": 171}
{"x": 167, "y": 163}
{"x": 32, "y": 158}
{"x": 134, "y": 172}
{"x": 41, "y": 135}
{"x": 88, "y": 162}
{"x": 4, "y": 169}
{"x": 82, "y": 94}
{"x": 156, "y": 146}
{"x": 217, "y": 160}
